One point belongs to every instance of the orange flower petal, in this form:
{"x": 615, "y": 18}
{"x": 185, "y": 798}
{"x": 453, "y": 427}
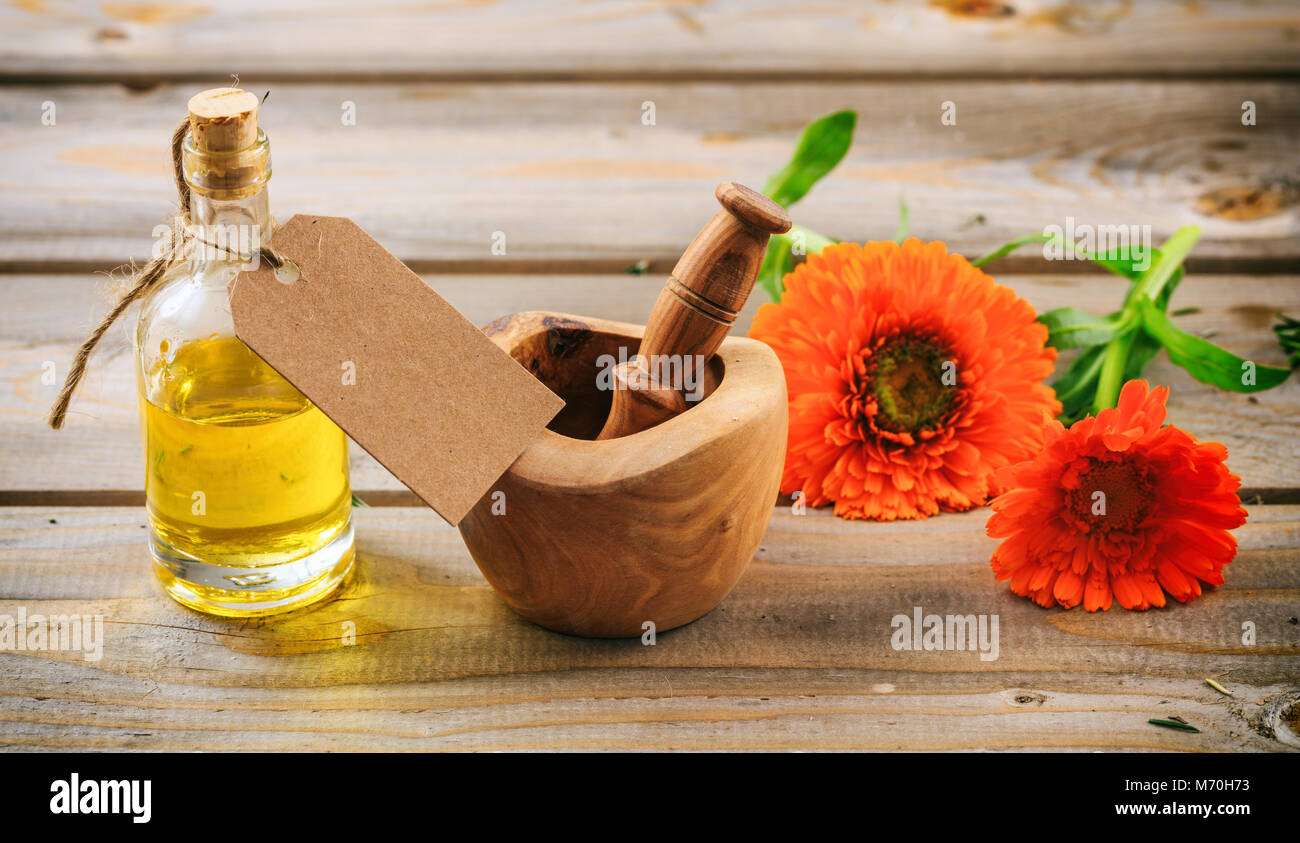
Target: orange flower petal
{"x": 1158, "y": 529}
{"x": 913, "y": 378}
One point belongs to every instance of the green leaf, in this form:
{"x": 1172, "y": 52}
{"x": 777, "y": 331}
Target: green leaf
{"x": 1076, "y": 386}
{"x": 1162, "y": 300}
{"x": 356, "y": 501}
{"x": 780, "y": 255}
{"x": 1070, "y": 327}
{"x": 1130, "y": 263}
{"x": 1145, "y": 347}
{"x": 904, "y": 222}
{"x": 1204, "y": 360}
{"x": 1288, "y": 336}
{"x": 822, "y": 145}
{"x": 1142, "y": 352}
{"x": 1008, "y": 248}
{"x": 1081, "y": 370}
{"x": 776, "y": 263}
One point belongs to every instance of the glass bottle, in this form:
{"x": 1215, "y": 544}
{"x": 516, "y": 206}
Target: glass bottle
{"x": 246, "y": 481}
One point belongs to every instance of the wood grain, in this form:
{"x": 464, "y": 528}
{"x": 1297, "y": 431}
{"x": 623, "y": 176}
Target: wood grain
{"x": 570, "y": 38}
{"x": 798, "y": 657}
{"x": 571, "y": 178}
{"x": 46, "y": 316}
{"x": 527, "y": 120}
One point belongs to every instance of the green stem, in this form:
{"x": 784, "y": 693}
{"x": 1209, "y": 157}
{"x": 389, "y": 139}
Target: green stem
{"x": 1172, "y": 254}
{"x": 904, "y": 222}
{"x": 1113, "y": 363}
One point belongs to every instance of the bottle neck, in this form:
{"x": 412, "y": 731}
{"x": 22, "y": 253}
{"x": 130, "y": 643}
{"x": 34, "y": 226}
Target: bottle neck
{"x": 228, "y": 196}
{"x": 253, "y": 212}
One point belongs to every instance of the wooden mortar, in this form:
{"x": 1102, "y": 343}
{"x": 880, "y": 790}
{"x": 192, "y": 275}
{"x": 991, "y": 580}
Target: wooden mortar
{"x": 637, "y": 510}
{"x": 600, "y": 537}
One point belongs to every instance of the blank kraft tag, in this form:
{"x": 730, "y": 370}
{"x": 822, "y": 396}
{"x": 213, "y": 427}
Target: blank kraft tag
{"x": 407, "y": 376}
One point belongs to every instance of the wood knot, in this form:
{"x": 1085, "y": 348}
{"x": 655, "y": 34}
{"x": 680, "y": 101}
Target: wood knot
{"x": 975, "y": 8}
{"x": 1242, "y": 204}
{"x": 1022, "y": 698}
{"x": 498, "y": 325}
{"x": 1283, "y": 719}
{"x": 565, "y": 336}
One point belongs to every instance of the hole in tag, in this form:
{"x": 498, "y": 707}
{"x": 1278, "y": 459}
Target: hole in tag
{"x": 287, "y": 272}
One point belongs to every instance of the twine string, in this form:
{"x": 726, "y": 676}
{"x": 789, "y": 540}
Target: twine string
{"x": 174, "y": 250}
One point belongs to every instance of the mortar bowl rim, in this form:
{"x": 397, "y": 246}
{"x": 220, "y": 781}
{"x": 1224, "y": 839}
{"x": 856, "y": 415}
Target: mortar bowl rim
{"x": 752, "y": 386}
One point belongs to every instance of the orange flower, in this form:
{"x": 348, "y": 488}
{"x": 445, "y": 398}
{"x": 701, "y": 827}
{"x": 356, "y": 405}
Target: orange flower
{"x": 912, "y": 376}
{"x": 1118, "y": 505}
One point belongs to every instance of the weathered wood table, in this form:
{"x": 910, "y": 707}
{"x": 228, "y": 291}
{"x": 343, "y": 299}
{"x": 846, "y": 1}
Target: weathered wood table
{"x": 527, "y": 119}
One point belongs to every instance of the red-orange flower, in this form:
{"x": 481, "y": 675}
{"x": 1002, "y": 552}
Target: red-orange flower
{"x": 913, "y": 378}
{"x": 1118, "y": 505}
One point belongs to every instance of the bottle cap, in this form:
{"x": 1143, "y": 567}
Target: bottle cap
{"x": 225, "y": 156}
{"x": 223, "y": 120}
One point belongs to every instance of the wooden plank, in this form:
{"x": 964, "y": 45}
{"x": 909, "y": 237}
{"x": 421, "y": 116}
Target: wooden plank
{"x": 797, "y": 657}
{"x": 47, "y": 316}
{"x": 573, "y": 38}
{"x": 573, "y": 179}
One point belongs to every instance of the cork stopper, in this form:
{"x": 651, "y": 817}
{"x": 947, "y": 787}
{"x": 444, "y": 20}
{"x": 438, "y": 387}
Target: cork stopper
{"x": 223, "y": 120}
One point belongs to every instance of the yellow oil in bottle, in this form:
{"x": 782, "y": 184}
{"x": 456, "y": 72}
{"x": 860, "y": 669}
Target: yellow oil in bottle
{"x": 245, "y": 477}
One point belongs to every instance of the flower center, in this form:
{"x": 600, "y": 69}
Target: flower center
{"x": 914, "y": 383}
{"x": 1111, "y": 495}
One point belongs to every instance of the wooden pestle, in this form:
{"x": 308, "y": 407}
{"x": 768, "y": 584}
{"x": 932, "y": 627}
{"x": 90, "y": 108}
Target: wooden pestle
{"x": 700, "y": 300}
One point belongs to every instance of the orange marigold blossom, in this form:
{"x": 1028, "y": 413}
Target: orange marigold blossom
{"x": 912, "y": 377}
{"x": 1117, "y": 505}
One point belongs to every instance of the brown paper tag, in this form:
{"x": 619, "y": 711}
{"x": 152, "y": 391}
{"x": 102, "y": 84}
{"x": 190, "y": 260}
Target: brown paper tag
{"x": 407, "y": 376}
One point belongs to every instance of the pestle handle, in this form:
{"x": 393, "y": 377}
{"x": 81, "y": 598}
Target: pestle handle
{"x": 696, "y": 308}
